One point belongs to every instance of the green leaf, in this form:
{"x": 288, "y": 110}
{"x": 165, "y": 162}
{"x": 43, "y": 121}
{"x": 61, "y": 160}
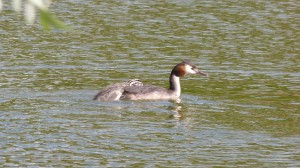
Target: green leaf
{"x": 48, "y": 20}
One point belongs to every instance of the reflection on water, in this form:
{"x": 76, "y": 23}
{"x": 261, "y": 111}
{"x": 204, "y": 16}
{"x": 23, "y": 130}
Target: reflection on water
{"x": 177, "y": 110}
{"x": 245, "y": 114}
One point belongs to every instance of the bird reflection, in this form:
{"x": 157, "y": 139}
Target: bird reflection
{"x": 177, "y": 112}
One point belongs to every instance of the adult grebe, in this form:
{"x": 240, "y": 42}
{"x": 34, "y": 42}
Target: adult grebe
{"x": 135, "y": 90}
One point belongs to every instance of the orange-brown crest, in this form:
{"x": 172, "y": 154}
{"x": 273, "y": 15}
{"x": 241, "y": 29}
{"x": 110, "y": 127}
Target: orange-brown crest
{"x": 179, "y": 70}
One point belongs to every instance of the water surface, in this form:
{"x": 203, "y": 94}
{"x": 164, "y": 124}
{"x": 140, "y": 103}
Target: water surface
{"x": 245, "y": 114}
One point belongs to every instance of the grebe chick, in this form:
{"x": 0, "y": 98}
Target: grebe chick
{"x": 134, "y": 89}
{"x": 114, "y": 91}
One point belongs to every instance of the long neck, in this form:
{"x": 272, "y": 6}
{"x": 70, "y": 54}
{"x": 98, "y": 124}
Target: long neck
{"x": 175, "y": 84}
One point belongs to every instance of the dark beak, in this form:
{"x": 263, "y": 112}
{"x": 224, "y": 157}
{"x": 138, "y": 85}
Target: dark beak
{"x": 201, "y": 73}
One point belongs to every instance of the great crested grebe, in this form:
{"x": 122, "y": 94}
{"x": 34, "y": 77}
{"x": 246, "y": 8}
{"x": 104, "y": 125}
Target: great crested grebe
{"x": 134, "y": 89}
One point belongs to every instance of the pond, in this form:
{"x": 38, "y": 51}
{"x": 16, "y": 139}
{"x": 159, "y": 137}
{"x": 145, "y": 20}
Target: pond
{"x": 245, "y": 114}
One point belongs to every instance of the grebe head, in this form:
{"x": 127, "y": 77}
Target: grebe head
{"x": 186, "y": 67}
{"x": 134, "y": 82}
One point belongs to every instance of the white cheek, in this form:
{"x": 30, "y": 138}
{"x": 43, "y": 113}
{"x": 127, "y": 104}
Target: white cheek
{"x": 190, "y": 71}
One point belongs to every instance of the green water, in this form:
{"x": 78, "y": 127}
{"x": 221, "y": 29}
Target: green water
{"x": 246, "y": 114}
